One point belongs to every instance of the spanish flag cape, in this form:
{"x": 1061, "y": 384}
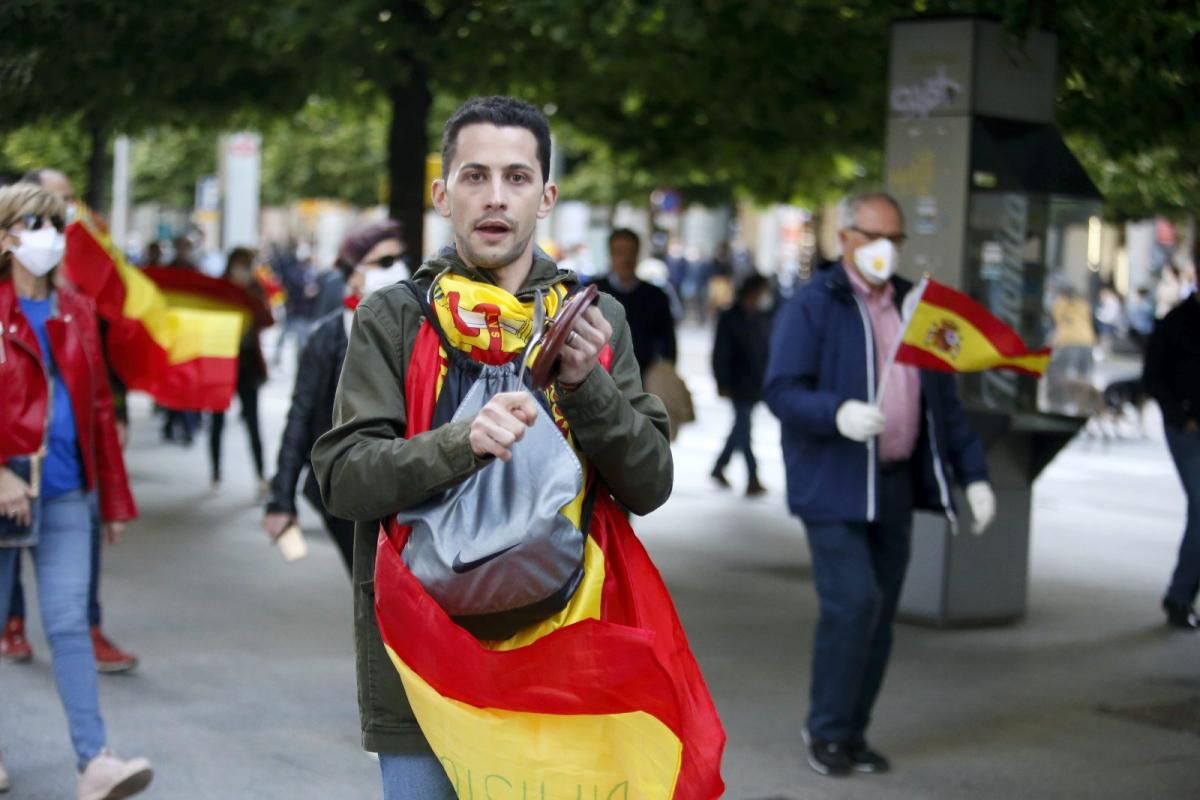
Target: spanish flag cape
{"x": 602, "y": 701}
{"x": 172, "y": 333}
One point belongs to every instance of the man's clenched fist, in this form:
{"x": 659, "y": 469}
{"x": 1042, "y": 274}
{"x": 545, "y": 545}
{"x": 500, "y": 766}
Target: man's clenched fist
{"x": 501, "y": 423}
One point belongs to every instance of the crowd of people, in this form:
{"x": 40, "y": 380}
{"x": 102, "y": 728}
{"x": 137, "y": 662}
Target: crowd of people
{"x": 861, "y": 453}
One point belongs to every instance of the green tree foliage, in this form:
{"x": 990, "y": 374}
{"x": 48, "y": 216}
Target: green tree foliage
{"x": 135, "y": 64}
{"x": 327, "y": 150}
{"x": 774, "y": 100}
{"x": 61, "y": 145}
{"x": 167, "y": 162}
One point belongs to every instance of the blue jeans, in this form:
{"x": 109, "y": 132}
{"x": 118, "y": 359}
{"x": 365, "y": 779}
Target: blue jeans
{"x": 414, "y": 777}
{"x": 62, "y": 560}
{"x": 17, "y": 605}
{"x": 1185, "y": 450}
{"x": 739, "y": 439}
{"x": 858, "y": 568}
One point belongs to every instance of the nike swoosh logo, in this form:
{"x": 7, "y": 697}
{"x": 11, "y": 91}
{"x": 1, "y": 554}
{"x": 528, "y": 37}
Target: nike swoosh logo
{"x": 460, "y": 567}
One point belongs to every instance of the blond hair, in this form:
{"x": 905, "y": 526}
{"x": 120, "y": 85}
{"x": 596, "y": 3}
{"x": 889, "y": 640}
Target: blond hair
{"x": 21, "y": 199}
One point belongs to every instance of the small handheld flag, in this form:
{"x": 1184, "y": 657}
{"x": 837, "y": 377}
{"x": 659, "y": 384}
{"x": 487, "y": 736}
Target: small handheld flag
{"x": 948, "y": 331}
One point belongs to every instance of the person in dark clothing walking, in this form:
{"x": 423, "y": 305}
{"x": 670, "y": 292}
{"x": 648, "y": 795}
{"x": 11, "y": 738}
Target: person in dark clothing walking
{"x": 369, "y": 257}
{"x": 300, "y": 284}
{"x": 739, "y": 362}
{"x": 1172, "y": 377}
{"x": 647, "y": 307}
{"x": 251, "y": 367}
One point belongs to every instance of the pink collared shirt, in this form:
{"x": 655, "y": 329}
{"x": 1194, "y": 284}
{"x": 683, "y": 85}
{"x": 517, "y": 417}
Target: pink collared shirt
{"x": 901, "y": 405}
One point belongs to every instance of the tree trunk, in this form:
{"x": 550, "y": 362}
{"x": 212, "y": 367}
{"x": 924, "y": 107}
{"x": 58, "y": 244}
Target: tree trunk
{"x": 99, "y": 166}
{"x": 408, "y": 146}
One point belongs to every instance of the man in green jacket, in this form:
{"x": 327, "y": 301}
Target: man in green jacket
{"x": 494, "y": 187}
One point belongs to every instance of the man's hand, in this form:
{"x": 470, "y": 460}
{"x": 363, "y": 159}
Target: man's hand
{"x": 582, "y": 348}
{"x": 982, "y": 501}
{"x": 501, "y": 423}
{"x": 859, "y": 421}
{"x": 113, "y": 531}
{"x": 15, "y": 495}
{"x": 276, "y": 522}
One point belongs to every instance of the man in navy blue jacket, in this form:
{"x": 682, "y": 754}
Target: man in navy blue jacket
{"x": 858, "y": 463}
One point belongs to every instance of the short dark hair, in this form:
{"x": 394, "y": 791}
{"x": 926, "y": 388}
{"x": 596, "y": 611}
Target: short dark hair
{"x": 503, "y": 112}
{"x": 239, "y": 255}
{"x": 754, "y": 282}
{"x": 627, "y": 233}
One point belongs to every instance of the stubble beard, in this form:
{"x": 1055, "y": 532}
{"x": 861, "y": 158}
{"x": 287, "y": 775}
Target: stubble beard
{"x": 491, "y": 262}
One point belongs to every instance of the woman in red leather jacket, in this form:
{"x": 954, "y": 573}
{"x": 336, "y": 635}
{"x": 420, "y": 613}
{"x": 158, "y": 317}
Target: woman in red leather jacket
{"x": 57, "y": 428}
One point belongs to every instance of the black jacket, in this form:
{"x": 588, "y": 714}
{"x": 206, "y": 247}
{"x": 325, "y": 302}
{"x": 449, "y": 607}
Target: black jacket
{"x": 739, "y": 358}
{"x": 651, "y": 324}
{"x": 311, "y": 413}
{"x": 1172, "y": 371}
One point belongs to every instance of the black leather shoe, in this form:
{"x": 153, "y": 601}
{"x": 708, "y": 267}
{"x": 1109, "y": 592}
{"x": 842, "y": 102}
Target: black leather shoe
{"x": 1182, "y": 617}
{"x": 829, "y": 758}
{"x": 864, "y": 759}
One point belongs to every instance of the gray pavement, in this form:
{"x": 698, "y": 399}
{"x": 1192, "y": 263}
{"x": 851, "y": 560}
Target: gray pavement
{"x": 246, "y": 688}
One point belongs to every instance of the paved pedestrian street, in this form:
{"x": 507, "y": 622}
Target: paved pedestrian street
{"x": 246, "y": 684}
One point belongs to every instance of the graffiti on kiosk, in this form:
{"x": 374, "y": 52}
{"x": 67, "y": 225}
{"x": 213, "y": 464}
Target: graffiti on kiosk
{"x": 920, "y": 99}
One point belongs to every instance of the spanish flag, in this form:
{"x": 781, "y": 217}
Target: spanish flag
{"x": 948, "y": 331}
{"x": 602, "y": 701}
{"x": 182, "y": 354}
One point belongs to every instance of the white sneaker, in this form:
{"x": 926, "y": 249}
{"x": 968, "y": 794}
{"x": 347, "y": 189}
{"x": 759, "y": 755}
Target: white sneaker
{"x": 4, "y": 784}
{"x": 110, "y": 778}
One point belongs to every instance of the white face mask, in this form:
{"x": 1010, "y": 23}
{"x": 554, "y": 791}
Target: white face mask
{"x": 40, "y": 250}
{"x": 379, "y": 277}
{"x": 876, "y": 261}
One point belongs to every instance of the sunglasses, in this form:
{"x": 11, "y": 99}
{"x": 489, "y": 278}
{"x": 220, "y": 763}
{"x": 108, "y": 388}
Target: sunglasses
{"x": 897, "y": 239}
{"x": 383, "y": 262}
{"x": 33, "y": 222}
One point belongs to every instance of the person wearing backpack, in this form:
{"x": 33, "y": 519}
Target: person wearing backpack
{"x": 481, "y": 301}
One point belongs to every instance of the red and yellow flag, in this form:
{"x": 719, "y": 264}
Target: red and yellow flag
{"x": 603, "y": 701}
{"x": 183, "y": 355}
{"x": 949, "y": 332}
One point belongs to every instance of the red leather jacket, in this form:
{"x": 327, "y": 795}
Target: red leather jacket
{"x": 75, "y": 340}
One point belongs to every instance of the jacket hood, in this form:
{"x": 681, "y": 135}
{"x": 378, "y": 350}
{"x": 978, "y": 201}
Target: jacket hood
{"x": 544, "y": 273}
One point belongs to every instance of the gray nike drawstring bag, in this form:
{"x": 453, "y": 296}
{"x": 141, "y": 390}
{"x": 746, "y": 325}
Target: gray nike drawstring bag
{"x": 495, "y": 551}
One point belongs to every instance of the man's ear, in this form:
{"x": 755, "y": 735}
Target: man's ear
{"x": 549, "y": 196}
{"x": 441, "y": 203}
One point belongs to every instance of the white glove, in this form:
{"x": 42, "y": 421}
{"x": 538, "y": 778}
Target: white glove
{"x": 858, "y": 420}
{"x": 982, "y": 501}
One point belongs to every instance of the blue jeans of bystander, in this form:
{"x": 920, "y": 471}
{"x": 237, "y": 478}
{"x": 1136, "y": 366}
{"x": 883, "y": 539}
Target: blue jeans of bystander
{"x": 62, "y": 560}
